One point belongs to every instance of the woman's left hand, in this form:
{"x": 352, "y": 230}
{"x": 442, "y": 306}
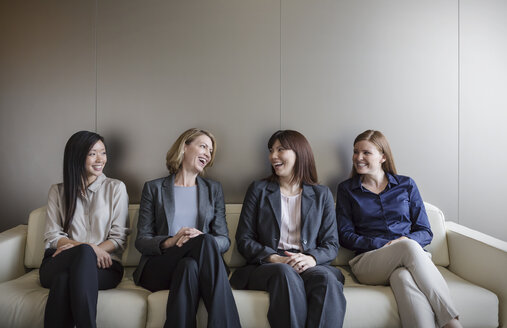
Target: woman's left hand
{"x": 300, "y": 262}
{"x": 394, "y": 241}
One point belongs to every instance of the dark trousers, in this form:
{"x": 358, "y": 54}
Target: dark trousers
{"x": 192, "y": 271}
{"x": 74, "y": 280}
{"x": 311, "y": 299}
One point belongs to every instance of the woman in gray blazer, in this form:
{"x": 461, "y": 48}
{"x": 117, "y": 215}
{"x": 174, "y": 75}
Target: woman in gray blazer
{"x": 287, "y": 233}
{"x": 182, "y": 234}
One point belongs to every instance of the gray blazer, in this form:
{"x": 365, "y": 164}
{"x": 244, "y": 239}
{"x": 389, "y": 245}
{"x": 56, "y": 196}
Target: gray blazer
{"x": 258, "y": 230}
{"x": 157, "y": 209}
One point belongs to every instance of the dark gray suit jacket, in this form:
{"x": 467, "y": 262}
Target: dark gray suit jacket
{"x": 258, "y": 230}
{"x": 156, "y": 213}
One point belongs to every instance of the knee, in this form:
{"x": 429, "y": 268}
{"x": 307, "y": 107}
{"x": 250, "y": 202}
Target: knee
{"x": 188, "y": 264}
{"x": 85, "y": 253}
{"x": 398, "y": 276}
{"x": 321, "y": 277}
{"x": 410, "y": 247}
{"x": 284, "y": 271}
{"x": 208, "y": 240}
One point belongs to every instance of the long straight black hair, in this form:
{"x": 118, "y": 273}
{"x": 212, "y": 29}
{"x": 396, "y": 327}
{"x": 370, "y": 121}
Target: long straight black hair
{"x": 74, "y": 173}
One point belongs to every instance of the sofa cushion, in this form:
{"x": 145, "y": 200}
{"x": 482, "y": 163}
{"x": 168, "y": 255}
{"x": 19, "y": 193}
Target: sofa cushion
{"x": 252, "y": 308}
{"x": 23, "y": 302}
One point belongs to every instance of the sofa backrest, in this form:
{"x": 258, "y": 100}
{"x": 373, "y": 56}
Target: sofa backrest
{"x": 35, "y": 238}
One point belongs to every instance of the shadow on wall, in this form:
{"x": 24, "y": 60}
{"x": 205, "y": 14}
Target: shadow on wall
{"x": 116, "y": 151}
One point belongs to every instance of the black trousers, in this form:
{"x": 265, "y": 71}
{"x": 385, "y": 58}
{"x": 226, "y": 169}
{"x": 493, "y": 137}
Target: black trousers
{"x": 74, "y": 280}
{"x": 192, "y": 271}
{"x": 311, "y": 299}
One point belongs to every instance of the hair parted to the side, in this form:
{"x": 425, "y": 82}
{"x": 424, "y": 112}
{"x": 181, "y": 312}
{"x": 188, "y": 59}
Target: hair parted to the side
{"x": 74, "y": 173}
{"x": 380, "y": 141}
{"x": 174, "y": 156}
{"x": 305, "y": 170}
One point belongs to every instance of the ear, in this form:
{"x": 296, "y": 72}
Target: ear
{"x": 383, "y": 159}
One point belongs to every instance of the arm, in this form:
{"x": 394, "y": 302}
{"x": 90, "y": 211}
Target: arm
{"x": 420, "y": 230}
{"x": 54, "y": 221}
{"x": 12, "y": 253}
{"x": 327, "y": 238}
{"x": 218, "y": 226}
{"x": 117, "y": 237}
{"x": 147, "y": 241}
{"x": 346, "y": 228}
{"x": 480, "y": 259}
{"x": 246, "y": 233}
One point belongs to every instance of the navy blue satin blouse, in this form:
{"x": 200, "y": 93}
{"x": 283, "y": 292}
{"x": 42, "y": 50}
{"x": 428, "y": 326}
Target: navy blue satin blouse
{"x": 367, "y": 221}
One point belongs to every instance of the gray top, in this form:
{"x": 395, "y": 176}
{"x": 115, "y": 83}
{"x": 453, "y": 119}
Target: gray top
{"x": 185, "y": 209}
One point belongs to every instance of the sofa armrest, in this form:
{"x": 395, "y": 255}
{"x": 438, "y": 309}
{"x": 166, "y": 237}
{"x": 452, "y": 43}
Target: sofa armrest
{"x": 480, "y": 259}
{"x": 12, "y": 252}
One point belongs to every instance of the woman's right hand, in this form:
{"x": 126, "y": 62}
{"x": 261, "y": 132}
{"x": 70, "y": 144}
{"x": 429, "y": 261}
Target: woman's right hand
{"x": 62, "y": 248}
{"x": 275, "y": 258}
{"x": 181, "y": 237}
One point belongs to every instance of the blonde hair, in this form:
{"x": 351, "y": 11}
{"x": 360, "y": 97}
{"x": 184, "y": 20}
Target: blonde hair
{"x": 380, "y": 141}
{"x": 174, "y": 156}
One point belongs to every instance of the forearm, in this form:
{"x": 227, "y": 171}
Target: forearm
{"x": 108, "y": 246}
{"x": 64, "y": 241}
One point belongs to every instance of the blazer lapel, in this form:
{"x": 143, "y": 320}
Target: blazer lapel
{"x": 275, "y": 201}
{"x": 307, "y": 203}
{"x": 168, "y": 199}
{"x": 204, "y": 203}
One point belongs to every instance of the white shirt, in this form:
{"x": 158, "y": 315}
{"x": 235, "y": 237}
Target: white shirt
{"x": 290, "y": 226}
{"x": 100, "y": 215}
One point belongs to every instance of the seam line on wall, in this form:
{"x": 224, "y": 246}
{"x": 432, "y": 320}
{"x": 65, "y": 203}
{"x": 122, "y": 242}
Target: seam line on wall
{"x": 459, "y": 111}
{"x": 96, "y": 66}
{"x": 280, "y": 63}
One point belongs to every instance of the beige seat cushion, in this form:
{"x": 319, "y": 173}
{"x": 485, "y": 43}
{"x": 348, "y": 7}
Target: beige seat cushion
{"x": 23, "y": 302}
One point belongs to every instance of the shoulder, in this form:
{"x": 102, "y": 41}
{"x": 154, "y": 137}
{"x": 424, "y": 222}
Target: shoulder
{"x": 320, "y": 189}
{"x": 210, "y": 182}
{"x": 403, "y": 180}
{"x": 115, "y": 183}
{"x": 55, "y": 191}
{"x": 346, "y": 185}
{"x": 56, "y": 187}
{"x": 156, "y": 183}
{"x": 260, "y": 186}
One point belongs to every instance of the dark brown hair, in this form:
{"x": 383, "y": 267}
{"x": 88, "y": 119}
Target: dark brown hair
{"x": 305, "y": 170}
{"x": 380, "y": 141}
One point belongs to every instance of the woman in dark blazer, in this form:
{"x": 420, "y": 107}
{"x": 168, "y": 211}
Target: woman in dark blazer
{"x": 182, "y": 234}
{"x": 287, "y": 233}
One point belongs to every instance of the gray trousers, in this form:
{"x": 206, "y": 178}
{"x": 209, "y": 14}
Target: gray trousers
{"x": 312, "y": 299}
{"x": 421, "y": 292}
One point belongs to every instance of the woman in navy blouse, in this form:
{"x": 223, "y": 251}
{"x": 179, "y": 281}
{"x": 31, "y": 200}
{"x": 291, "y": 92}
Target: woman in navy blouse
{"x": 382, "y": 217}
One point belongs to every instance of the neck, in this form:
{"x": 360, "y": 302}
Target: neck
{"x": 375, "y": 180}
{"x": 90, "y": 179}
{"x": 185, "y": 179}
{"x": 289, "y": 189}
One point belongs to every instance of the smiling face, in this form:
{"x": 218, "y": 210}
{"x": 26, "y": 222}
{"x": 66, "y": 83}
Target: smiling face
{"x": 282, "y": 160}
{"x": 197, "y": 154}
{"x": 367, "y": 159}
{"x": 95, "y": 161}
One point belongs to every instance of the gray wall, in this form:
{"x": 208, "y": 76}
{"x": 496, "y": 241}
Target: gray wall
{"x": 431, "y": 75}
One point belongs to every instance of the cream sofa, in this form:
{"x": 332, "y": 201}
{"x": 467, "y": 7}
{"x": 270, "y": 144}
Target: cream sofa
{"x": 473, "y": 264}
